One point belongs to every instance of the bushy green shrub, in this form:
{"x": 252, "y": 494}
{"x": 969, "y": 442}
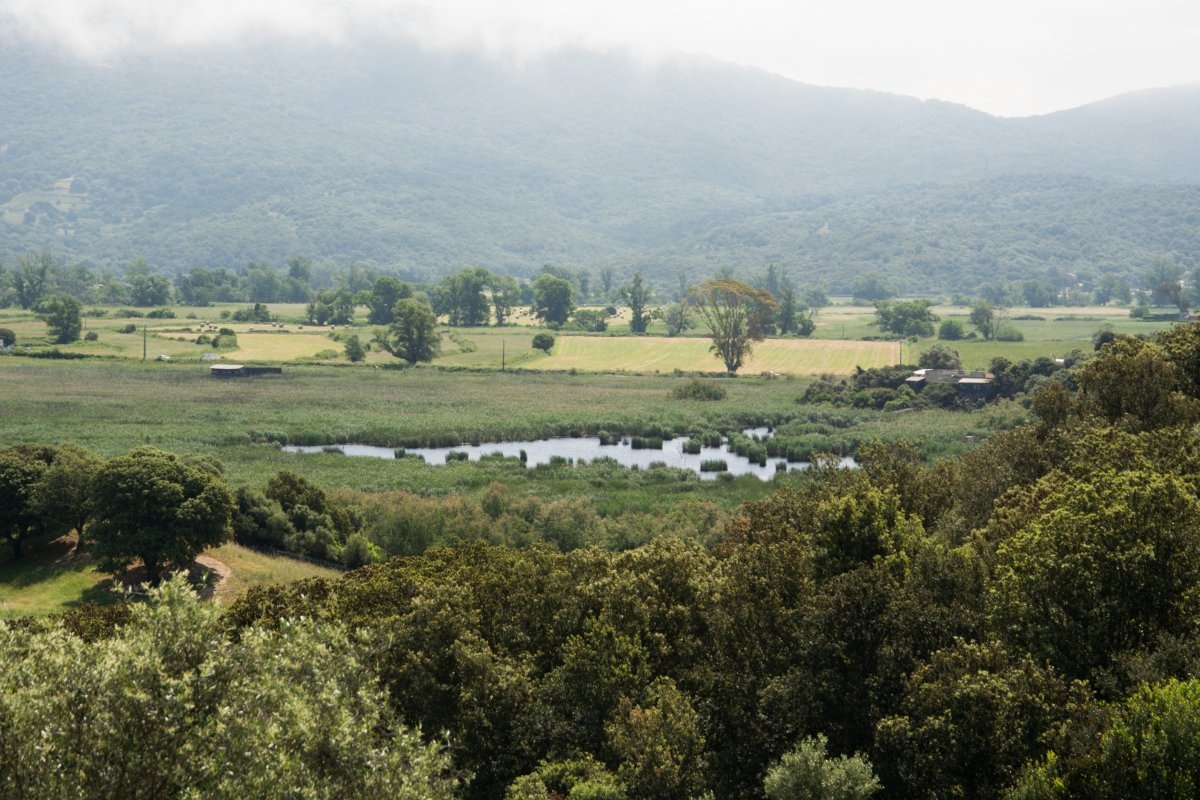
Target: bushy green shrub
{"x": 951, "y": 330}
{"x": 697, "y": 389}
{"x": 255, "y": 313}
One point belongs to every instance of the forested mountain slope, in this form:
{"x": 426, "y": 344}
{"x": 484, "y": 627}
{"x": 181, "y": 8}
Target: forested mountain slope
{"x": 428, "y": 161}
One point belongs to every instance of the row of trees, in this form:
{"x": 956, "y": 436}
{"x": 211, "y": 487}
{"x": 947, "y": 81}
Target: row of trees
{"x": 916, "y": 318}
{"x": 469, "y": 297}
{"x": 1164, "y": 283}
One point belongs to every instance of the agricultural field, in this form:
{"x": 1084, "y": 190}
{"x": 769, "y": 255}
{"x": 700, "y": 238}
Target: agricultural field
{"x": 662, "y": 354}
{"x": 844, "y": 339}
{"x": 650, "y": 353}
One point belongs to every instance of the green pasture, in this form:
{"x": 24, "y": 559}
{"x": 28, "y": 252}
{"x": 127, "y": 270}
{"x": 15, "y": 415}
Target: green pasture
{"x": 1049, "y": 332}
{"x": 1053, "y": 333}
{"x": 50, "y": 579}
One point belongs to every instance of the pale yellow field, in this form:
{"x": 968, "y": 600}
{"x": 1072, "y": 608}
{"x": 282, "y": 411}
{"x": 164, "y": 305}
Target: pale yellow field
{"x": 651, "y": 353}
{"x": 281, "y": 346}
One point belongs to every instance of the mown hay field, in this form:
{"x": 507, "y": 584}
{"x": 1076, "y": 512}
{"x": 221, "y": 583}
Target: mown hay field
{"x": 662, "y": 354}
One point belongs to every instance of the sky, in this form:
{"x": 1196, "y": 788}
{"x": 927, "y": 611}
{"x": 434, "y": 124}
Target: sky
{"x": 1010, "y": 58}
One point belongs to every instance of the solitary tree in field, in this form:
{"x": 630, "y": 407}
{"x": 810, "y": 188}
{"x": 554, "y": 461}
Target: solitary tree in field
{"x": 637, "y": 294}
{"x": 543, "y": 342}
{"x": 988, "y": 318}
{"x": 413, "y": 334}
{"x": 152, "y": 506}
{"x": 63, "y": 316}
{"x": 355, "y": 350}
{"x": 736, "y": 314}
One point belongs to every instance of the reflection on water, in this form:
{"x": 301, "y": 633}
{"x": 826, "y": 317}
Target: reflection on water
{"x": 584, "y": 449}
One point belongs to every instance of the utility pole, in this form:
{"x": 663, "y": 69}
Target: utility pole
{"x": 143, "y": 341}
{"x": 502, "y": 355}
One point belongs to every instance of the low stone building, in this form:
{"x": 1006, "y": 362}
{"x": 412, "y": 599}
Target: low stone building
{"x": 972, "y": 383}
{"x": 242, "y": 371}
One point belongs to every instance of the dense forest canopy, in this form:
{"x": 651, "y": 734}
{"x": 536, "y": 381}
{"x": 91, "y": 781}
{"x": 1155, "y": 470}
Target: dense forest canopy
{"x": 422, "y": 162}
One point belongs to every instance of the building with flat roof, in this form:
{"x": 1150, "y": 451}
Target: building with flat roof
{"x": 241, "y": 371}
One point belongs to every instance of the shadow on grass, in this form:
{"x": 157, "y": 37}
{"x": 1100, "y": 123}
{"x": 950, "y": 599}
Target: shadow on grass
{"x": 55, "y": 576}
{"x": 42, "y": 562}
{"x": 102, "y": 594}
{"x": 131, "y": 585}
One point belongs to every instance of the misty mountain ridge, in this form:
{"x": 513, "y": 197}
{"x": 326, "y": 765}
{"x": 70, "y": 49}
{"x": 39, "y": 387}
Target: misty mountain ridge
{"x": 426, "y": 162}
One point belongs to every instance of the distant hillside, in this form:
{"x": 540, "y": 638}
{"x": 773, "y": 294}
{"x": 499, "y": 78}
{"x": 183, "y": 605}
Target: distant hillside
{"x": 953, "y": 238}
{"x": 427, "y": 162}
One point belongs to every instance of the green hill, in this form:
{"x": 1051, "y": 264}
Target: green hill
{"x": 424, "y": 162}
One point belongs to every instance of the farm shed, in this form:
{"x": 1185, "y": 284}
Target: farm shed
{"x": 970, "y": 383}
{"x": 242, "y": 371}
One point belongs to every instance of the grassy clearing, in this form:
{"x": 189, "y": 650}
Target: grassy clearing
{"x": 51, "y": 578}
{"x": 252, "y": 568}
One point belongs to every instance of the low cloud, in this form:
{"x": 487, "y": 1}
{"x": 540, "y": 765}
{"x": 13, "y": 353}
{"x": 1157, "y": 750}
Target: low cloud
{"x": 1006, "y": 56}
{"x": 102, "y": 29}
